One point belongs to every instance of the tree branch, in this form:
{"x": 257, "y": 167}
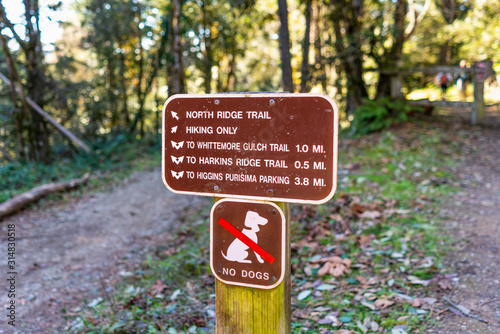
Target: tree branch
{"x": 414, "y": 19}
{"x": 68, "y": 134}
{"x": 9, "y": 25}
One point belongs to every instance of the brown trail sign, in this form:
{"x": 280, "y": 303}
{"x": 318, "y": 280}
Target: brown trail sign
{"x": 247, "y": 148}
{"x": 279, "y": 147}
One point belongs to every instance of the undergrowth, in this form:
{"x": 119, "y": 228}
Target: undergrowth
{"x": 378, "y": 115}
{"x": 111, "y": 158}
{"x": 368, "y": 261}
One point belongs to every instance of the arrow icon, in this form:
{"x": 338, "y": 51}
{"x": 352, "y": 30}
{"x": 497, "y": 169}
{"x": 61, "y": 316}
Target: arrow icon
{"x": 177, "y": 145}
{"x": 177, "y": 160}
{"x": 177, "y": 175}
{"x": 174, "y": 115}
{"x": 174, "y": 129}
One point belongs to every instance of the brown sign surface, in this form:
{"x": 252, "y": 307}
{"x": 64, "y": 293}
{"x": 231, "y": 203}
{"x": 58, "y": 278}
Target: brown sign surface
{"x": 281, "y": 147}
{"x": 247, "y": 243}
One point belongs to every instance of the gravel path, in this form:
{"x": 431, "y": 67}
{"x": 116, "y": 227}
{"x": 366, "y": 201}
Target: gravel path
{"x": 474, "y": 219}
{"x": 75, "y": 251}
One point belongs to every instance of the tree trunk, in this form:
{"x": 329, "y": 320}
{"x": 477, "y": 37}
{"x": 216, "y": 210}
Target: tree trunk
{"x": 319, "y": 62}
{"x": 36, "y": 82}
{"x": 350, "y": 56}
{"x": 284, "y": 40}
{"x": 388, "y": 83}
{"x": 208, "y": 58}
{"x": 178, "y": 69}
{"x": 305, "y": 77}
{"x": 231, "y": 76}
{"x": 124, "y": 94}
{"x": 20, "y": 108}
{"x": 447, "y": 8}
{"x": 20, "y": 201}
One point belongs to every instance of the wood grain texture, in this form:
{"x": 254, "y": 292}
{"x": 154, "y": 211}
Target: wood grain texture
{"x": 242, "y": 310}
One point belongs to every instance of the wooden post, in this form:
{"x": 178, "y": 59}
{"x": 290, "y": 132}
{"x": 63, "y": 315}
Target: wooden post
{"x": 242, "y": 310}
{"x": 482, "y": 70}
{"x": 478, "y": 112}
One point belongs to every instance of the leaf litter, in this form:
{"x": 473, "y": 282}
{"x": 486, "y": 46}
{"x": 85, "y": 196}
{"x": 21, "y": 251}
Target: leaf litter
{"x": 365, "y": 262}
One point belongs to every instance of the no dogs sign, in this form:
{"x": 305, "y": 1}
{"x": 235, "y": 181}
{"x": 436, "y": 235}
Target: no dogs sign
{"x": 247, "y": 241}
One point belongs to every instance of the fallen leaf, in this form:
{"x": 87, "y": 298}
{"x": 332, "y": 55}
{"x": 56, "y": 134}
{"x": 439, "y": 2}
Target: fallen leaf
{"x": 444, "y": 282}
{"x": 398, "y": 331}
{"x": 365, "y": 240}
{"x": 325, "y": 269}
{"x": 361, "y": 327}
{"x": 370, "y": 215}
{"x": 367, "y": 322}
{"x": 345, "y": 319}
{"x": 95, "y": 302}
{"x": 361, "y": 279}
{"x": 383, "y": 303}
{"x": 334, "y": 259}
{"x": 370, "y": 306}
{"x": 357, "y": 209}
{"x": 175, "y": 294}
{"x": 157, "y": 288}
{"x": 416, "y": 280}
{"x": 337, "y": 269}
{"x": 347, "y": 262}
{"x": 304, "y": 294}
{"x": 330, "y": 319}
{"x": 326, "y": 287}
{"x": 417, "y": 302}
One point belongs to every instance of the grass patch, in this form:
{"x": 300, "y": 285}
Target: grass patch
{"x": 368, "y": 261}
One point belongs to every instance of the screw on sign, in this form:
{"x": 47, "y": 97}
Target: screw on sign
{"x": 247, "y": 243}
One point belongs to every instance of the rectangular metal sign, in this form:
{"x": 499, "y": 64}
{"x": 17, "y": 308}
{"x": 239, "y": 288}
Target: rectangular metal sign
{"x": 279, "y": 147}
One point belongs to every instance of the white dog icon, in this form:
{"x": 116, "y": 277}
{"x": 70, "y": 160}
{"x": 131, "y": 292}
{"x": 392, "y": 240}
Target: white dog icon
{"x": 237, "y": 250}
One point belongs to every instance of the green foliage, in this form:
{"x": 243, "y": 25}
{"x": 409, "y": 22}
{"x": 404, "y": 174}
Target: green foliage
{"x": 116, "y": 156}
{"x": 379, "y": 114}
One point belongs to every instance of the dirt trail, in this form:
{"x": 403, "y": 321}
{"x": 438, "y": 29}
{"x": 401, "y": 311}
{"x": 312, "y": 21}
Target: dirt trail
{"x": 68, "y": 253}
{"x": 473, "y": 218}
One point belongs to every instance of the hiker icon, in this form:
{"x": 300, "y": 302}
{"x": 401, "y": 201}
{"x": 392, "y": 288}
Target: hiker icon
{"x": 237, "y": 250}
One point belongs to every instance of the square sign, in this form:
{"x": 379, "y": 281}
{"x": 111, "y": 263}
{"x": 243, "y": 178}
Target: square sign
{"x": 247, "y": 243}
{"x": 279, "y": 147}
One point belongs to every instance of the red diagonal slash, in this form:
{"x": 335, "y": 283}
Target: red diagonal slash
{"x": 246, "y": 240}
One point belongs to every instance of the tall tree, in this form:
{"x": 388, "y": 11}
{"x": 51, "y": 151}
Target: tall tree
{"x": 36, "y": 79}
{"x": 305, "y": 77}
{"x": 284, "y": 39}
{"x": 178, "y": 81}
{"x": 346, "y": 17}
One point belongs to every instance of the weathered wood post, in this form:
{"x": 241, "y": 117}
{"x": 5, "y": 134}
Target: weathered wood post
{"x": 241, "y": 309}
{"x": 482, "y": 70}
{"x": 255, "y": 153}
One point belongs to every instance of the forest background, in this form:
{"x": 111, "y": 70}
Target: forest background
{"x": 106, "y": 71}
